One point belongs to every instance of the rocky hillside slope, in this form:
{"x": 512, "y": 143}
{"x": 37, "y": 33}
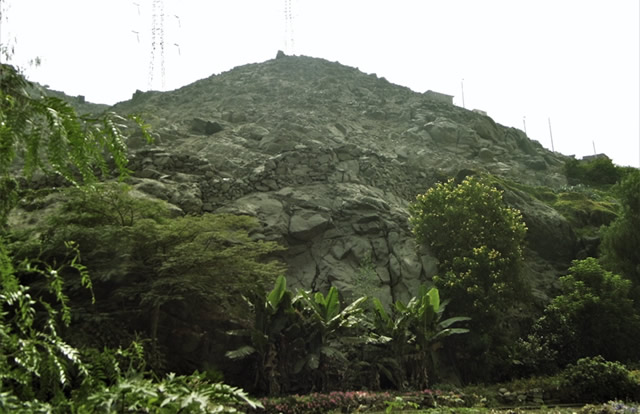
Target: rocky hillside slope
{"x": 328, "y": 158}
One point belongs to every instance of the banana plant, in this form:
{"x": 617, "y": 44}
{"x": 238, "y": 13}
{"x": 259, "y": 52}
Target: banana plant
{"x": 417, "y": 330}
{"x": 266, "y": 340}
{"x": 328, "y": 327}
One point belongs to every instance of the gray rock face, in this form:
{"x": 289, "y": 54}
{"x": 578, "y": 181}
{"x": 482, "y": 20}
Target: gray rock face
{"x": 333, "y": 231}
{"x": 327, "y": 159}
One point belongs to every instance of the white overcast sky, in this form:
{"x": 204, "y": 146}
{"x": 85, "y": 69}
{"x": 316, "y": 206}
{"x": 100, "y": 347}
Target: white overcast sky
{"x": 575, "y": 62}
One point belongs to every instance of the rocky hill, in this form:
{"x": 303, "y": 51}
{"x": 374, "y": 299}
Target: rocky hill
{"x": 328, "y": 159}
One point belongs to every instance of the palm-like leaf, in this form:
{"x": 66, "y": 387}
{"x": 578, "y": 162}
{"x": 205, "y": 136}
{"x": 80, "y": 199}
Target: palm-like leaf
{"x": 450, "y": 321}
{"x": 241, "y": 353}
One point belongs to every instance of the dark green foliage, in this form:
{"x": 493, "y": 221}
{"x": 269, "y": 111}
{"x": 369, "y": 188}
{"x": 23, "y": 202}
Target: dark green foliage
{"x": 597, "y": 380}
{"x": 621, "y": 240}
{"x": 594, "y": 315}
{"x": 147, "y": 265}
{"x": 479, "y": 243}
{"x": 598, "y": 171}
{"x": 266, "y": 338}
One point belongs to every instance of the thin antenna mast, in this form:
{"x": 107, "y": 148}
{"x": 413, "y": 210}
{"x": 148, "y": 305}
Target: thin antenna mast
{"x": 288, "y": 27}
{"x": 157, "y": 40}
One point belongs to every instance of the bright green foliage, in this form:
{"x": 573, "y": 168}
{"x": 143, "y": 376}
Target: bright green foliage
{"x": 477, "y": 239}
{"x": 597, "y": 380}
{"x": 479, "y": 243}
{"x": 594, "y": 315}
{"x": 34, "y": 361}
{"x": 621, "y": 240}
{"x": 48, "y": 134}
{"x": 416, "y": 331}
{"x": 173, "y": 394}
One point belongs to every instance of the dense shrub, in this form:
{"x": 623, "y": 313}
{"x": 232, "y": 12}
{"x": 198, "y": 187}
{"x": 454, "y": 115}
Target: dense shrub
{"x": 598, "y": 380}
{"x": 594, "y": 315}
{"x": 597, "y": 171}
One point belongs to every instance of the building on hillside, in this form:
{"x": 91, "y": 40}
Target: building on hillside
{"x": 594, "y": 157}
{"x": 480, "y": 111}
{"x": 439, "y": 97}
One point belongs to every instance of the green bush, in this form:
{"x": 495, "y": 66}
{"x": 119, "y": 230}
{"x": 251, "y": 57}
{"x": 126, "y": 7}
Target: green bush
{"x": 598, "y": 171}
{"x": 598, "y": 380}
{"x": 594, "y": 315}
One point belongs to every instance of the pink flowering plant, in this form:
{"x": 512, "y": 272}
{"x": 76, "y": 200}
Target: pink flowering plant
{"x": 365, "y": 401}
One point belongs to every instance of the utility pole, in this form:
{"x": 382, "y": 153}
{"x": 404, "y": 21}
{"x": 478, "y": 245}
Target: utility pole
{"x": 551, "y": 135}
{"x": 524, "y": 124}
{"x": 594, "y": 147}
{"x": 462, "y": 87}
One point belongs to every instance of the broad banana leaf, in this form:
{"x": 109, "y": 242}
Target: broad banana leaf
{"x": 275, "y": 296}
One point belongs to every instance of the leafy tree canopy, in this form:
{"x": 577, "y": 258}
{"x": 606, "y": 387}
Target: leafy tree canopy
{"x": 479, "y": 243}
{"x": 476, "y": 237}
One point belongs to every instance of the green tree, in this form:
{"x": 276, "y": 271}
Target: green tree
{"x": 479, "y": 243}
{"x": 621, "y": 239}
{"x": 143, "y": 260}
{"x": 594, "y": 315}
